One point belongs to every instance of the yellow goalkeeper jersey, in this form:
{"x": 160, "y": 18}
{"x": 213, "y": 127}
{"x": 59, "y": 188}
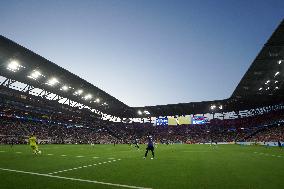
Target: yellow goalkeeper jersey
{"x": 32, "y": 141}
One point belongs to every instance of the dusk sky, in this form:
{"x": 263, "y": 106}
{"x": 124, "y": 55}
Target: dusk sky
{"x": 147, "y": 52}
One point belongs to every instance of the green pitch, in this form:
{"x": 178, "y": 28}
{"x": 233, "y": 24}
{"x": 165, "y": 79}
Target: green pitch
{"x": 122, "y": 166}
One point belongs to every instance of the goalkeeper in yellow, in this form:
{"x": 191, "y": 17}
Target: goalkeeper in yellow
{"x": 34, "y": 146}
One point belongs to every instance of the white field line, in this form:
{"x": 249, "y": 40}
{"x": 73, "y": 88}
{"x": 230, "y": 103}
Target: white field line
{"x": 75, "y": 179}
{"x": 272, "y": 155}
{"x": 80, "y": 167}
{"x": 192, "y": 151}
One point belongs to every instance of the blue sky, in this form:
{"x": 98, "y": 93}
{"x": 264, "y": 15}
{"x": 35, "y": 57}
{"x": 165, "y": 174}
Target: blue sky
{"x": 147, "y": 52}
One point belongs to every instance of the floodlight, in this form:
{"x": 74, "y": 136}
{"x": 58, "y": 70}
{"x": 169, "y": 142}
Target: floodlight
{"x": 267, "y": 88}
{"x": 220, "y": 107}
{"x": 52, "y": 81}
{"x": 260, "y": 89}
{"x": 267, "y": 82}
{"x": 65, "y": 88}
{"x": 276, "y": 88}
{"x": 79, "y": 92}
{"x": 35, "y": 75}
{"x": 139, "y": 112}
{"x": 88, "y": 96}
{"x": 97, "y": 100}
{"x": 276, "y": 81}
{"x": 212, "y": 107}
{"x": 14, "y": 66}
{"x": 146, "y": 112}
{"x": 276, "y": 74}
{"x": 280, "y": 61}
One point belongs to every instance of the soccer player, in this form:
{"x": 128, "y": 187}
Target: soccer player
{"x": 150, "y": 146}
{"x": 34, "y": 146}
{"x": 279, "y": 144}
{"x": 11, "y": 142}
{"x": 136, "y": 142}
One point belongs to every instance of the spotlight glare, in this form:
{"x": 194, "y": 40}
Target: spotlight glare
{"x": 139, "y": 112}
{"x": 14, "y": 66}
{"x": 65, "y": 88}
{"x": 35, "y": 75}
{"x": 79, "y": 92}
{"x": 53, "y": 81}
{"x": 212, "y": 107}
{"x": 88, "y": 96}
{"x": 146, "y": 112}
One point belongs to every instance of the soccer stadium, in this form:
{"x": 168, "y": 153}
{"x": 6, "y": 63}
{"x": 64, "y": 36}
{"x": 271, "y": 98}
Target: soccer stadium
{"x": 58, "y": 130}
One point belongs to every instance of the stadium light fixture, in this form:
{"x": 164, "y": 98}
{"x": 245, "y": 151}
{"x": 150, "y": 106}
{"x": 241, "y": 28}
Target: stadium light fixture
{"x": 35, "y": 75}
{"x": 88, "y": 96}
{"x": 276, "y": 88}
{"x": 14, "y": 66}
{"x": 277, "y": 73}
{"x": 139, "y": 112}
{"x": 97, "y": 100}
{"x": 79, "y": 92}
{"x": 267, "y": 88}
{"x": 276, "y": 81}
{"x": 146, "y": 112}
{"x": 280, "y": 61}
{"x": 260, "y": 89}
{"x": 53, "y": 81}
{"x": 267, "y": 82}
{"x": 212, "y": 107}
{"x": 64, "y": 88}
{"x": 220, "y": 107}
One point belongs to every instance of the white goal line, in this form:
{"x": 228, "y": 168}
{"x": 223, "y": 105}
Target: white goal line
{"x": 74, "y": 179}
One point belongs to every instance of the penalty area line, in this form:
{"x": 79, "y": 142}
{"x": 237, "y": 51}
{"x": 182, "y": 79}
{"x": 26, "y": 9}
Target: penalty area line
{"x": 74, "y": 179}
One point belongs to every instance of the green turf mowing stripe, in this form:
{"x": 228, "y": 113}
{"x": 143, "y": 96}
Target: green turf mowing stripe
{"x": 75, "y": 179}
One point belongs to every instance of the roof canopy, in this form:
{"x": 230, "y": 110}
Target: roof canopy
{"x": 261, "y": 85}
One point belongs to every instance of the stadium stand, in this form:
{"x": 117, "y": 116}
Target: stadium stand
{"x": 60, "y": 113}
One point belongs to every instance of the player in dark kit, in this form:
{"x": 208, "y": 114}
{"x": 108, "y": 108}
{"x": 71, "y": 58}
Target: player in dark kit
{"x": 136, "y": 142}
{"x": 150, "y": 146}
{"x": 279, "y": 144}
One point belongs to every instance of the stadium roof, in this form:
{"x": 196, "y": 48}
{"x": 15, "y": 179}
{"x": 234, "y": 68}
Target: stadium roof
{"x": 23, "y": 65}
{"x": 262, "y": 84}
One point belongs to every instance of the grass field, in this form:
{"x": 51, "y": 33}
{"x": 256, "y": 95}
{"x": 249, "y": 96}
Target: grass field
{"x": 122, "y": 166}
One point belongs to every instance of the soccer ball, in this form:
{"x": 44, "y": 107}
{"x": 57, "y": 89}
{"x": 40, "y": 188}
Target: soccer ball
{"x": 39, "y": 152}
